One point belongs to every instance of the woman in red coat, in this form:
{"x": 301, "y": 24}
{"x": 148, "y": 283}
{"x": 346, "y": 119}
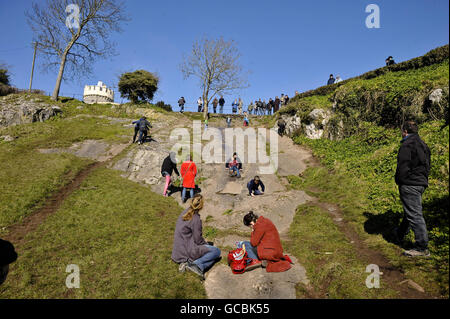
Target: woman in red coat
{"x": 265, "y": 244}
{"x": 188, "y": 172}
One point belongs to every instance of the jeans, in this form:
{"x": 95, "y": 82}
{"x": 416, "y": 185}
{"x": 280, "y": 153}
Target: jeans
{"x": 183, "y": 193}
{"x": 411, "y": 197}
{"x": 142, "y": 136}
{"x": 252, "y": 252}
{"x": 208, "y": 259}
{"x": 235, "y": 169}
{"x": 136, "y": 131}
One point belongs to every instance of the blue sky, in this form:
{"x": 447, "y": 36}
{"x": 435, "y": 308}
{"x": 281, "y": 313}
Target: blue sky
{"x": 287, "y": 45}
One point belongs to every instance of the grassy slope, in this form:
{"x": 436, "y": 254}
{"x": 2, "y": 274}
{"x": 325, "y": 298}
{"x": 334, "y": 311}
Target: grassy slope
{"x": 120, "y": 235}
{"x": 365, "y": 163}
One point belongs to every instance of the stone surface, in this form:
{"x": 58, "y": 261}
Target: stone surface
{"x": 22, "y": 111}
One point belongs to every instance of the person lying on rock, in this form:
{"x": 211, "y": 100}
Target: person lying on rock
{"x": 264, "y": 247}
{"x": 253, "y": 187}
{"x": 7, "y": 256}
{"x": 234, "y": 165}
{"x": 168, "y": 166}
{"x": 188, "y": 172}
{"x": 190, "y": 249}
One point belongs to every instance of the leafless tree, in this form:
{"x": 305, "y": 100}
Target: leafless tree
{"x": 215, "y": 62}
{"x": 74, "y": 37}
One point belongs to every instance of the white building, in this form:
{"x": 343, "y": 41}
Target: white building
{"x": 99, "y": 93}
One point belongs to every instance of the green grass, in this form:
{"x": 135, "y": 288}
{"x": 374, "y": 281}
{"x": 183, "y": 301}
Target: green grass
{"x": 27, "y": 176}
{"x": 331, "y": 262}
{"x": 365, "y": 164}
{"x": 119, "y": 233}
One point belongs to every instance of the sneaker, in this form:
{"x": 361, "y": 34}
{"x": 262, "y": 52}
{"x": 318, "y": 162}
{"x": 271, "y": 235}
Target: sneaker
{"x": 255, "y": 263}
{"x": 264, "y": 263}
{"x": 195, "y": 269}
{"x": 182, "y": 267}
{"x": 416, "y": 253}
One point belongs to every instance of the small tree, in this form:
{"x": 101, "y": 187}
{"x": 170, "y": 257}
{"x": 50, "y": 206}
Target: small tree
{"x": 74, "y": 33}
{"x": 216, "y": 64}
{"x": 138, "y": 86}
{"x": 4, "y": 76}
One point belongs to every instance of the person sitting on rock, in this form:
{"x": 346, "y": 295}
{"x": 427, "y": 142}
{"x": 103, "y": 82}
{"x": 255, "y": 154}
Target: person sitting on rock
{"x": 188, "y": 172}
{"x": 144, "y": 126}
{"x": 168, "y": 166}
{"x": 253, "y": 187}
{"x": 190, "y": 249}
{"x": 264, "y": 247}
{"x": 234, "y": 165}
{"x": 7, "y": 256}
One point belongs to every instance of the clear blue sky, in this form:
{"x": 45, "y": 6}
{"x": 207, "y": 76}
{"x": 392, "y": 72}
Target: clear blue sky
{"x": 287, "y": 45}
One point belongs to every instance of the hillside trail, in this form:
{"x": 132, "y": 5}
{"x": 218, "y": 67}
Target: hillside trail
{"x": 227, "y": 201}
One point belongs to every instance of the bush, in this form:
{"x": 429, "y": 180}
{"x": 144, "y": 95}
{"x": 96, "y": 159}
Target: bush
{"x": 164, "y": 106}
{"x": 4, "y": 77}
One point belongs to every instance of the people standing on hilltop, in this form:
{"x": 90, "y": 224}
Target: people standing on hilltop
{"x": 234, "y": 106}
{"x": 411, "y": 176}
{"x": 282, "y": 98}
{"x": 270, "y": 106}
{"x": 190, "y": 250}
{"x": 264, "y": 107}
{"x": 390, "y": 61}
{"x": 251, "y": 107}
{"x": 276, "y": 104}
{"x": 286, "y": 99}
{"x": 331, "y": 80}
{"x": 297, "y": 93}
{"x": 221, "y": 103}
{"x": 215, "y": 102}
{"x": 188, "y": 172}
{"x": 200, "y": 104}
{"x": 240, "y": 106}
{"x": 168, "y": 166}
{"x": 338, "y": 79}
{"x": 181, "y": 103}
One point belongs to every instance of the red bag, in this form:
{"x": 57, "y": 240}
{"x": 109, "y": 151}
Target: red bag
{"x": 237, "y": 260}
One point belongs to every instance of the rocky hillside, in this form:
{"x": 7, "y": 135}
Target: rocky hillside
{"x": 415, "y": 89}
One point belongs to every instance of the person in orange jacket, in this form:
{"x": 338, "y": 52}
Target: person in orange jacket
{"x": 188, "y": 172}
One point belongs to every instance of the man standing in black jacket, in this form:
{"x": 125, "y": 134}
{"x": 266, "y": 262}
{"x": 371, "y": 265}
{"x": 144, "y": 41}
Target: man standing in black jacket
{"x": 411, "y": 176}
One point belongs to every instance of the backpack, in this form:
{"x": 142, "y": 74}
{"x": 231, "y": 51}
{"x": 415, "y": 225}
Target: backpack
{"x": 143, "y": 125}
{"x": 237, "y": 260}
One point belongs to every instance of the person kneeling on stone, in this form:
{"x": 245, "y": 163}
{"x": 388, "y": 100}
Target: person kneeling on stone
{"x": 253, "y": 187}
{"x": 190, "y": 249}
{"x": 264, "y": 247}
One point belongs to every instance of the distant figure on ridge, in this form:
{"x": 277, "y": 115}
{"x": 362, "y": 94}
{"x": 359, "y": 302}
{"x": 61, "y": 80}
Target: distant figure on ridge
{"x": 390, "y": 61}
{"x": 221, "y": 103}
{"x": 331, "y": 80}
{"x": 181, "y": 103}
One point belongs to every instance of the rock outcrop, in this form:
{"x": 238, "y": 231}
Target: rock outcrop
{"x": 22, "y": 110}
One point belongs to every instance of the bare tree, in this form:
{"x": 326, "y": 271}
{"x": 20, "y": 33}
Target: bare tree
{"x": 216, "y": 64}
{"x": 73, "y": 33}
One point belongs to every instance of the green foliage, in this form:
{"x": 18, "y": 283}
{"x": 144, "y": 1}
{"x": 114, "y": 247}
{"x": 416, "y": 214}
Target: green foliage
{"x": 138, "y": 86}
{"x": 368, "y": 159}
{"x": 4, "y": 77}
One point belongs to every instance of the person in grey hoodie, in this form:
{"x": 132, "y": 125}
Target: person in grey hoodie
{"x": 190, "y": 249}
